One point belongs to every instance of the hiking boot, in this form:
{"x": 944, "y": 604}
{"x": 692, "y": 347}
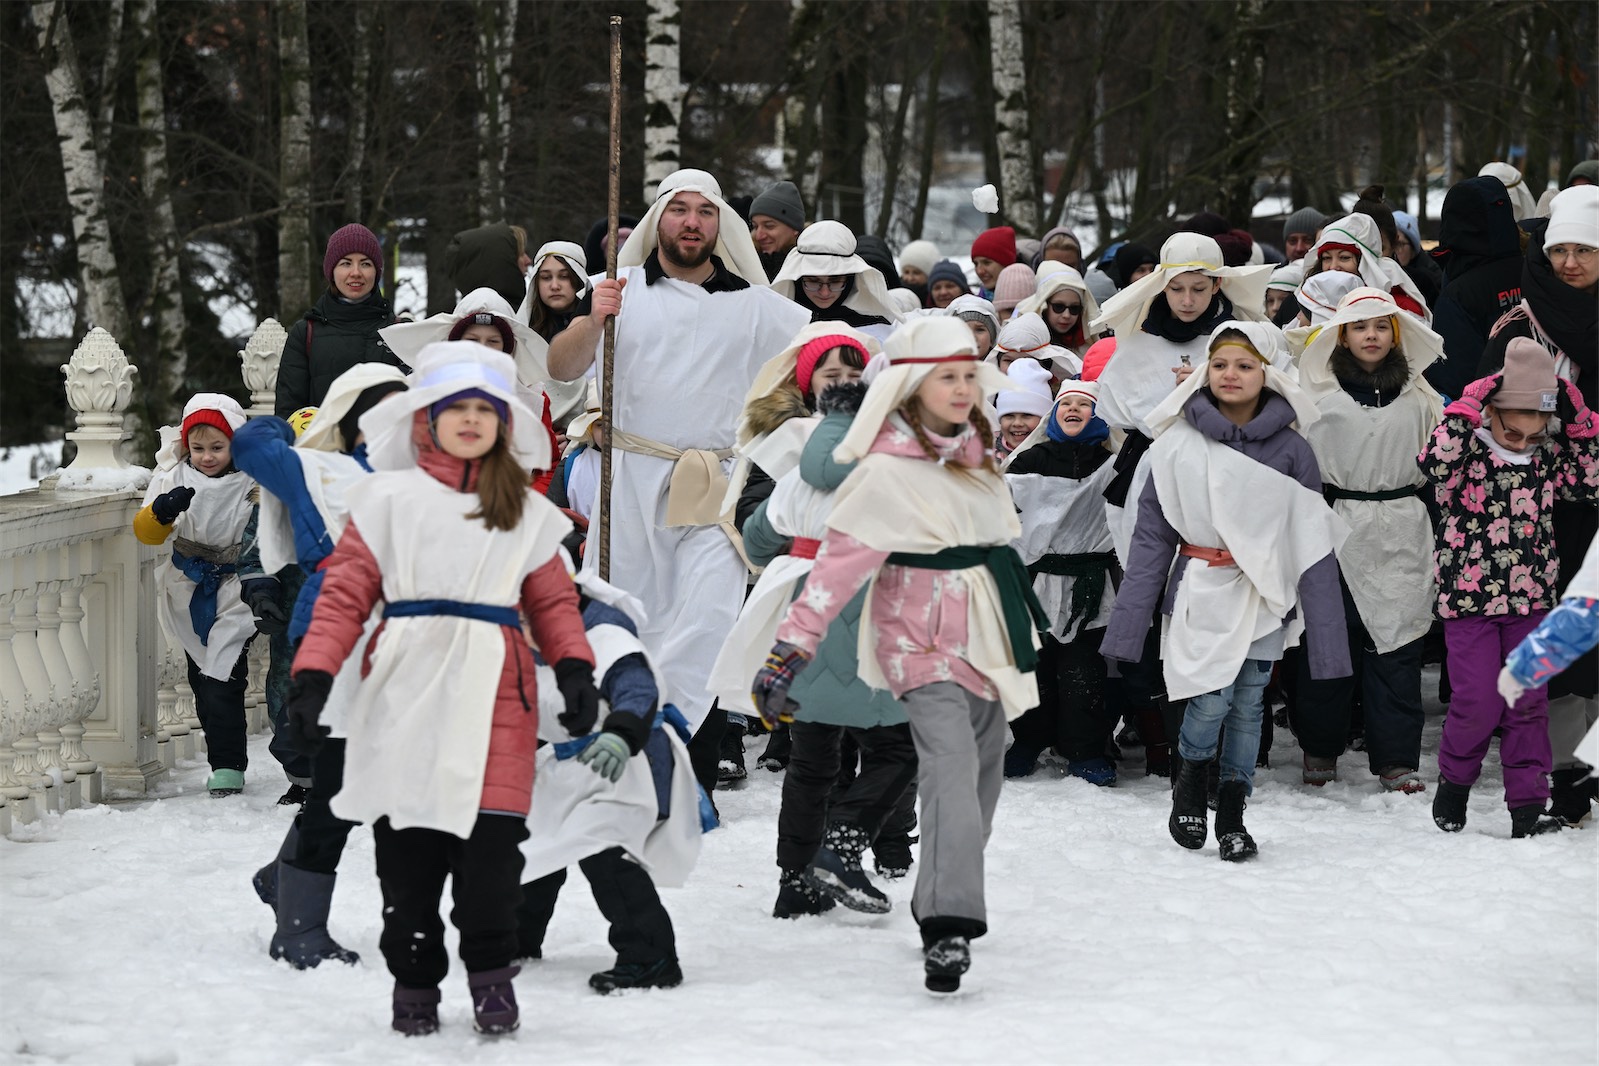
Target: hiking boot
{"x": 1532, "y": 820}
{"x": 225, "y": 782}
{"x": 296, "y": 795}
{"x": 1189, "y": 820}
{"x": 1319, "y": 771}
{"x": 416, "y": 1010}
{"x": 778, "y": 747}
{"x": 1231, "y": 837}
{"x": 1401, "y": 779}
{"x": 797, "y": 896}
{"x": 836, "y": 870}
{"x": 944, "y": 961}
{"x": 302, "y": 938}
{"x": 1449, "y": 805}
{"x": 1021, "y": 760}
{"x": 494, "y": 1000}
{"x": 664, "y": 973}
{"x": 891, "y": 856}
{"x": 1571, "y": 796}
{"x": 730, "y": 761}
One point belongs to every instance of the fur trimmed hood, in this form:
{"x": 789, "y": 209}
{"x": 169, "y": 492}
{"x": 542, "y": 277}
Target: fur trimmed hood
{"x": 1388, "y": 379}
{"x": 768, "y": 411}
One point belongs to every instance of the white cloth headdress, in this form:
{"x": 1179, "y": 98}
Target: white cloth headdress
{"x": 780, "y": 367}
{"x": 171, "y": 450}
{"x": 1266, "y": 339}
{"x": 1420, "y": 345}
{"x": 407, "y": 339}
{"x": 1522, "y": 203}
{"x": 734, "y": 247}
{"x": 443, "y": 369}
{"x": 323, "y": 434}
{"x": 1245, "y": 286}
{"x": 1026, "y": 336}
{"x": 828, "y": 248}
{"x": 1056, "y": 281}
{"x": 1375, "y": 270}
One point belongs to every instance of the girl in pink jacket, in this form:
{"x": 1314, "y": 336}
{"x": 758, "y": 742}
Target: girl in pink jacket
{"x": 950, "y": 623}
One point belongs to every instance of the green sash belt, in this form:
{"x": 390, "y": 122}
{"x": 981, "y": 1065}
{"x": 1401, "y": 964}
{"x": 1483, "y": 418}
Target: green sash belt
{"x": 1090, "y": 569}
{"x": 1016, "y": 596}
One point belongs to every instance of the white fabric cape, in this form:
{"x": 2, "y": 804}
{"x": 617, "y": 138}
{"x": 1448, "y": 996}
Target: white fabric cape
{"x": 670, "y": 337}
{"x": 827, "y": 248}
{"x": 420, "y": 720}
{"x": 407, "y": 339}
{"x": 1062, "y": 516}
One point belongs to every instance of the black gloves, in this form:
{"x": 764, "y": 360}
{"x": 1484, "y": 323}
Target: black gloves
{"x": 575, "y": 678}
{"x": 262, "y": 599}
{"x": 307, "y": 695}
{"x": 167, "y": 506}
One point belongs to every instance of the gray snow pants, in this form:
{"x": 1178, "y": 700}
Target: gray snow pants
{"x": 960, "y": 746}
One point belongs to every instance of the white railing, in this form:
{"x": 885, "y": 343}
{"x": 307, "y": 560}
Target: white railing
{"x": 94, "y": 701}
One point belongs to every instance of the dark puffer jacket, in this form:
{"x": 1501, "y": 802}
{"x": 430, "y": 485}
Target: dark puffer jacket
{"x": 332, "y": 337}
{"x": 486, "y": 257}
{"x": 1479, "y": 248}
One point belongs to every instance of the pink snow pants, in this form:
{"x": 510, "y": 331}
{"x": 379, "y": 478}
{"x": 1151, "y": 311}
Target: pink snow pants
{"x": 1477, "y": 649}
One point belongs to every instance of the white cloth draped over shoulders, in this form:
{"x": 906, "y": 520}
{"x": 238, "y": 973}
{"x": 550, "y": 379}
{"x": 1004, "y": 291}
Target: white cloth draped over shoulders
{"x": 1063, "y": 516}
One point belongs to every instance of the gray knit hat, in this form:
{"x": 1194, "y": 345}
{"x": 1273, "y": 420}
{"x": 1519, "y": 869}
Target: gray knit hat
{"x": 1305, "y": 220}
{"x": 782, "y": 202}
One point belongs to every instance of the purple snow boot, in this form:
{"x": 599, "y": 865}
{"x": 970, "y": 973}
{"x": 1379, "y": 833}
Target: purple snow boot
{"x": 494, "y": 1000}
{"x": 416, "y": 1010}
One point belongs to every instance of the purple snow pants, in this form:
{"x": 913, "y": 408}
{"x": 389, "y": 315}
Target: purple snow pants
{"x": 1477, "y": 649}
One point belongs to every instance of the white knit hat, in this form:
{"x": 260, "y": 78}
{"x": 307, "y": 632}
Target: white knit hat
{"x": 1032, "y": 395}
{"x": 1574, "y": 218}
{"x": 920, "y": 255}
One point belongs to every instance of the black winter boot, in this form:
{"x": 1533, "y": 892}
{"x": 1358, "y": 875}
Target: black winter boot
{"x": 302, "y": 936}
{"x": 416, "y": 1010}
{"x": 730, "y": 761}
{"x": 944, "y": 961}
{"x": 778, "y": 747}
{"x": 1190, "y": 819}
{"x": 797, "y": 896}
{"x": 1532, "y": 820}
{"x": 1449, "y": 805}
{"x": 1570, "y": 796}
{"x": 1231, "y": 837}
{"x": 664, "y": 973}
{"x": 836, "y": 870}
{"x": 266, "y": 878}
{"x": 494, "y": 1000}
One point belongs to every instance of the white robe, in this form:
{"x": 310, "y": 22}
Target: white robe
{"x": 684, "y": 360}
{"x": 420, "y": 721}
{"x": 216, "y": 517}
{"x": 1062, "y": 516}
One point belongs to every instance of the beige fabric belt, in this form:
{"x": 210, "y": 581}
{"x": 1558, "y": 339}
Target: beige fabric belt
{"x": 694, "y": 495}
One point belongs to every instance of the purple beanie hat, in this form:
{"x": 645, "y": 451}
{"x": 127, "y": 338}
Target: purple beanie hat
{"x": 348, "y": 240}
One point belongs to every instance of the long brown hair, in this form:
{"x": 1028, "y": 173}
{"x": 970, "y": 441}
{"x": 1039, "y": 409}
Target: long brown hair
{"x": 501, "y": 485}
{"x": 912, "y": 413}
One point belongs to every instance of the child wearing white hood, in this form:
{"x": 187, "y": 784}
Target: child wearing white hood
{"x": 1021, "y": 409}
{"x": 1234, "y": 495}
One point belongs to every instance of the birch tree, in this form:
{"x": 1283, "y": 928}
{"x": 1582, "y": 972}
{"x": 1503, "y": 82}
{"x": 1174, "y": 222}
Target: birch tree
{"x": 496, "y": 25}
{"x": 166, "y": 288}
{"x": 108, "y": 73}
{"x": 85, "y": 177}
{"x": 1018, "y": 195}
{"x": 296, "y": 288}
{"x": 355, "y": 147}
{"x": 663, "y": 94}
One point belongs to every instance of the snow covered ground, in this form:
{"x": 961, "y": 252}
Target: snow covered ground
{"x": 22, "y": 466}
{"x": 129, "y": 934}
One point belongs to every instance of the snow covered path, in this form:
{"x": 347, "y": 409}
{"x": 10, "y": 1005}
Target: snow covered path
{"x": 130, "y": 935}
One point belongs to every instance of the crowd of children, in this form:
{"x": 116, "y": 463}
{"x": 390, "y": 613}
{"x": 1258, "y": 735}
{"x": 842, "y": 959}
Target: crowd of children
{"x": 985, "y": 534}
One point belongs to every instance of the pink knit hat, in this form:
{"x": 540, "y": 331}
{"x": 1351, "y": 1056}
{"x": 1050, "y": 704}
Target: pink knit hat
{"x": 348, "y": 240}
{"x": 1016, "y": 283}
{"x": 1529, "y": 382}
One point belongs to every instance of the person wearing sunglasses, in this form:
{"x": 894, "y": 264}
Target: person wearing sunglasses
{"x": 1063, "y": 301}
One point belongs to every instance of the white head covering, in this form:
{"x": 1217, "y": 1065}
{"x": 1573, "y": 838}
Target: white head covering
{"x": 904, "y": 301}
{"x": 911, "y": 352}
{"x": 1375, "y": 270}
{"x": 1266, "y": 339}
{"x": 828, "y": 248}
{"x": 1074, "y": 386}
{"x": 323, "y": 434}
{"x": 969, "y": 303}
{"x": 1057, "y": 280}
{"x": 1321, "y": 293}
{"x": 1031, "y": 396}
{"x": 1289, "y": 276}
{"x": 1422, "y": 347}
{"x": 407, "y": 339}
{"x": 1026, "y": 336}
{"x": 1522, "y": 203}
{"x": 1184, "y": 252}
{"x": 170, "y": 452}
{"x": 780, "y": 367}
{"x": 1044, "y": 269}
{"x": 443, "y": 369}
{"x": 923, "y": 255}
{"x": 570, "y": 255}
{"x": 1573, "y": 218}
{"x": 734, "y": 247}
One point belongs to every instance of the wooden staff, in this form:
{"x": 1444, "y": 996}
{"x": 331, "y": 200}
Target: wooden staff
{"x": 608, "y": 366}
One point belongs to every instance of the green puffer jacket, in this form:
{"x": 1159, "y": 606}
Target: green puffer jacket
{"x": 342, "y": 334}
{"x": 829, "y": 691}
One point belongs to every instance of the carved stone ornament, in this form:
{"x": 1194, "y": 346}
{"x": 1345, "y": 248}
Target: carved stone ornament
{"x": 261, "y": 355}
{"x": 99, "y": 376}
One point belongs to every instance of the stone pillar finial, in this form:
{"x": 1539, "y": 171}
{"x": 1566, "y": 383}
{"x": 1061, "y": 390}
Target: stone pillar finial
{"x": 99, "y": 387}
{"x": 261, "y": 355}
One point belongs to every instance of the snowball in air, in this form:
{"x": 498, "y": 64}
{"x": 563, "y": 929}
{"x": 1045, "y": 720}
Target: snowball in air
{"x": 986, "y": 199}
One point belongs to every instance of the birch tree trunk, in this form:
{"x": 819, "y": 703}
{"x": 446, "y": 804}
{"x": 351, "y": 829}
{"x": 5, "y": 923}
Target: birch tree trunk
{"x": 663, "y": 94}
{"x": 496, "y": 29}
{"x": 802, "y": 100}
{"x": 296, "y": 284}
{"x": 1018, "y": 196}
{"x": 108, "y": 74}
{"x": 355, "y": 149}
{"x": 85, "y": 178}
{"x": 930, "y": 105}
{"x": 166, "y": 288}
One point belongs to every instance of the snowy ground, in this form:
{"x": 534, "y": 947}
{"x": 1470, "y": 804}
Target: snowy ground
{"x": 22, "y": 466}
{"x": 1361, "y": 934}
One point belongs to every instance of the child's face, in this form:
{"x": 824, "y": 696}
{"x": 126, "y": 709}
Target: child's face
{"x": 1073, "y": 412}
{"x": 947, "y": 396}
{"x": 985, "y": 339}
{"x": 210, "y": 451}
{"x": 1188, "y": 295}
{"x": 1517, "y": 431}
{"x": 1370, "y": 340}
{"x": 1236, "y": 375}
{"x": 467, "y": 429}
{"x": 488, "y": 336}
{"x": 557, "y": 287}
{"x": 1274, "y": 300}
{"x": 831, "y": 370}
{"x": 1063, "y": 312}
{"x": 1015, "y": 426}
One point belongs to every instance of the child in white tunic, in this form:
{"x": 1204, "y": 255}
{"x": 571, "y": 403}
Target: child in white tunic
{"x": 212, "y": 585}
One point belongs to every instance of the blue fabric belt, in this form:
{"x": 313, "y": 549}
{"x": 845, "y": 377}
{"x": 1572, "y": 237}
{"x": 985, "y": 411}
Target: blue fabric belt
{"x": 666, "y": 716}
{"x": 477, "y": 612}
{"x": 207, "y": 577}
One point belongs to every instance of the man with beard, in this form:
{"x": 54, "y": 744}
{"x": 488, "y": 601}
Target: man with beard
{"x": 695, "y": 322}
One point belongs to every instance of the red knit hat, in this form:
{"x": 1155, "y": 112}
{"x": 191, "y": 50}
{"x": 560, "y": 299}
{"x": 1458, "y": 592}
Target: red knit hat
{"x": 206, "y": 416}
{"x": 348, "y": 240}
{"x": 808, "y": 356}
{"x": 1096, "y": 357}
{"x": 998, "y": 244}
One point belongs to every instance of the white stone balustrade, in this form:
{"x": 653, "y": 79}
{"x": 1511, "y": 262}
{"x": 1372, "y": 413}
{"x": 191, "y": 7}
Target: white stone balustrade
{"x": 94, "y": 698}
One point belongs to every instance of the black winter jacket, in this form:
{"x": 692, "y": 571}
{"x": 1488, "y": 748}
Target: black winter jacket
{"x": 1479, "y": 248}
{"x": 341, "y": 334}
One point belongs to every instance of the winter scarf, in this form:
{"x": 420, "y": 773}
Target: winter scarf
{"x": 1569, "y": 316}
{"x": 1162, "y": 323}
{"x": 1376, "y": 388}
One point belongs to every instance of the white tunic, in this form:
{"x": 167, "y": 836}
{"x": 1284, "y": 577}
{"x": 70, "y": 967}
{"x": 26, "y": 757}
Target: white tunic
{"x": 419, "y": 723}
{"x": 1063, "y": 516}
{"x": 684, "y": 360}
{"x": 216, "y": 518}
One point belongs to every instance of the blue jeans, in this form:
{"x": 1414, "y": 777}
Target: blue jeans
{"x": 1239, "y": 708}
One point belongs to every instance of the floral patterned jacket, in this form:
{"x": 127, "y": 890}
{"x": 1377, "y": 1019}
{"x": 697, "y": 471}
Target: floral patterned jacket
{"x": 1496, "y": 546}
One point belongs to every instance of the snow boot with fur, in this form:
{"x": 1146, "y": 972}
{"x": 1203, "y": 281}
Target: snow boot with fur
{"x": 836, "y": 870}
{"x": 1449, "y": 805}
{"x": 494, "y": 1000}
{"x": 944, "y": 961}
{"x": 302, "y": 937}
{"x": 1190, "y": 817}
{"x": 1231, "y": 837}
